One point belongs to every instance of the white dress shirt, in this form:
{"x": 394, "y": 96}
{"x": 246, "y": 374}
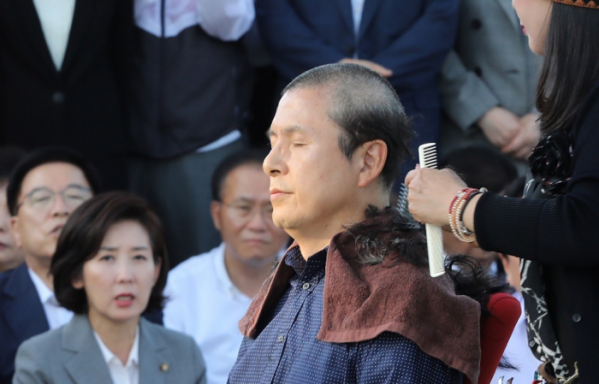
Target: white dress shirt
{"x": 227, "y": 20}
{"x": 203, "y": 302}
{"x": 56, "y": 315}
{"x": 56, "y": 17}
{"x": 122, "y": 374}
{"x": 357, "y": 6}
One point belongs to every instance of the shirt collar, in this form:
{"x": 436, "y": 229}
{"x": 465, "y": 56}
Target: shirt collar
{"x": 223, "y": 276}
{"x": 46, "y": 295}
{"x": 306, "y": 268}
{"x": 109, "y": 356}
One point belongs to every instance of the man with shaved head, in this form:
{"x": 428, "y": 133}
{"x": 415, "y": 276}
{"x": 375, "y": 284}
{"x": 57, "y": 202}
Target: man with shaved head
{"x": 352, "y": 300}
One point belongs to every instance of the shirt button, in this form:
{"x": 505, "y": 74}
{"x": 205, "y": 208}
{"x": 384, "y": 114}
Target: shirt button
{"x": 280, "y": 339}
{"x": 58, "y": 97}
{"x": 576, "y": 318}
{"x": 306, "y": 286}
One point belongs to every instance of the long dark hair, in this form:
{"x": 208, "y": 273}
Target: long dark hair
{"x": 570, "y": 67}
{"x": 398, "y": 240}
{"x": 402, "y": 242}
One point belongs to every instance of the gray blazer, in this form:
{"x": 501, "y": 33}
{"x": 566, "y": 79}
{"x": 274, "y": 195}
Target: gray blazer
{"x": 490, "y": 65}
{"x": 71, "y": 354}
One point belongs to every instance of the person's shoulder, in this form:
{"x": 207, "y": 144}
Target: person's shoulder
{"x": 13, "y": 284}
{"x": 45, "y": 344}
{"x": 4, "y": 278}
{"x": 590, "y": 108}
{"x": 179, "y": 347}
{"x": 585, "y": 127}
{"x": 173, "y": 339}
{"x": 195, "y": 266}
{"x": 7, "y": 275}
{"x": 164, "y": 334}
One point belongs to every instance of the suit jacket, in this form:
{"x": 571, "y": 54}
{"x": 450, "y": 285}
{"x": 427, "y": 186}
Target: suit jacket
{"x": 21, "y": 316}
{"x": 71, "y": 354}
{"x": 79, "y": 106}
{"x": 412, "y": 38}
{"x": 491, "y": 65}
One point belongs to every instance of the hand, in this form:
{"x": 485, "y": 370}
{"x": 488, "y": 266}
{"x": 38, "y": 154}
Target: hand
{"x": 500, "y": 126}
{"x": 522, "y": 144}
{"x": 430, "y": 192}
{"x": 385, "y": 72}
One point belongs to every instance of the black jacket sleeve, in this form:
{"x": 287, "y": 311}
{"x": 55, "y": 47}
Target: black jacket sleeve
{"x": 560, "y": 231}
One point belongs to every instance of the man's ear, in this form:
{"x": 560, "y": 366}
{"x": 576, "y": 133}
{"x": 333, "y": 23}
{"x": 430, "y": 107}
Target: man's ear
{"x": 14, "y": 227}
{"x": 215, "y": 209}
{"x": 372, "y": 156}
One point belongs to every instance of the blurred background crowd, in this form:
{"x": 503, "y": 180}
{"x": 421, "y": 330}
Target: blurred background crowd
{"x": 170, "y": 100}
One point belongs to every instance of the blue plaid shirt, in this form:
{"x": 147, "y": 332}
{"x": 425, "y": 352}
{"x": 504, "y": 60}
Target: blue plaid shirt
{"x": 287, "y": 351}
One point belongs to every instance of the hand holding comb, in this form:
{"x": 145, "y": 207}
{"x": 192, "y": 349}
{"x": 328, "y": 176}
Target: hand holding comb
{"x": 427, "y": 154}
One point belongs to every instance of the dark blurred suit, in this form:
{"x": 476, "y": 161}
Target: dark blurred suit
{"x": 21, "y": 316}
{"x": 80, "y": 105}
{"x": 411, "y": 38}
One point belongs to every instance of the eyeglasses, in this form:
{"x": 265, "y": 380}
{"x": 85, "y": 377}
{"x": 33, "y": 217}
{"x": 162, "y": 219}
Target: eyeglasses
{"x": 247, "y": 210}
{"x": 41, "y": 199}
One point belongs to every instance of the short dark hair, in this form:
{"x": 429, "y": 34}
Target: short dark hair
{"x": 82, "y": 237}
{"x": 229, "y": 164}
{"x": 481, "y": 167}
{"x": 9, "y": 158}
{"x": 44, "y": 156}
{"x": 570, "y": 66}
{"x": 366, "y": 107}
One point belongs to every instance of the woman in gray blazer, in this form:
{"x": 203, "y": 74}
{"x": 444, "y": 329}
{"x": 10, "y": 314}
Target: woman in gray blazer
{"x": 110, "y": 267}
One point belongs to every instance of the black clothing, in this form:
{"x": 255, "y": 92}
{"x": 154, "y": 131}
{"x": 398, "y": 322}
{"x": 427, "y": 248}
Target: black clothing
{"x": 561, "y": 234}
{"x": 188, "y": 91}
{"x": 78, "y": 107}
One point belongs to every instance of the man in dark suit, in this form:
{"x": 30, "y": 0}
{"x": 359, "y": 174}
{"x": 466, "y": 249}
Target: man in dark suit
{"x": 44, "y": 189}
{"x": 63, "y": 68}
{"x": 404, "y": 41}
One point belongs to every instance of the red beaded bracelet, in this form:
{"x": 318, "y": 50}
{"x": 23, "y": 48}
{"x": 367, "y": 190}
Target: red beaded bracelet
{"x": 456, "y": 209}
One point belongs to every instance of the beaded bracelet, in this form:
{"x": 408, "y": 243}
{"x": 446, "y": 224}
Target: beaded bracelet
{"x": 456, "y": 210}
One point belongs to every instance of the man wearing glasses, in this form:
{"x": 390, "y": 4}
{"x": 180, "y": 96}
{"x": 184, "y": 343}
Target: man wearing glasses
{"x": 211, "y": 292}
{"x": 43, "y": 190}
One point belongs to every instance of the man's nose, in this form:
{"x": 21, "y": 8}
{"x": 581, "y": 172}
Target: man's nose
{"x": 259, "y": 219}
{"x": 60, "y": 207}
{"x": 273, "y": 163}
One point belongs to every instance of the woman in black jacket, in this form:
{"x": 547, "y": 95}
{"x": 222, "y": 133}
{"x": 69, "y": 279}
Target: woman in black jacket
{"x": 553, "y": 229}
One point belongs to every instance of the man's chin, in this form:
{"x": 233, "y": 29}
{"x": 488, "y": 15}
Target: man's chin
{"x": 285, "y": 222}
